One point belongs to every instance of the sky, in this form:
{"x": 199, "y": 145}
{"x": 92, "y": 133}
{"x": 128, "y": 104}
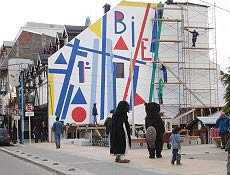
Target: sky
{"x": 15, "y": 13}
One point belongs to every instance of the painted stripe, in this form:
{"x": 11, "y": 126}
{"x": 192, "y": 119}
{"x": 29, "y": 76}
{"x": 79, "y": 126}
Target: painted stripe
{"x": 57, "y": 71}
{"x": 67, "y": 78}
{"x": 51, "y": 94}
{"x": 108, "y": 54}
{"x": 156, "y": 49}
{"x": 114, "y": 87}
{"x": 136, "y": 4}
{"x": 109, "y": 76}
{"x": 67, "y": 102}
{"x": 137, "y": 50}
{"x": 135, "y": 78}
{"x": 103, "y": 64}
{"x": 94, "y": 79}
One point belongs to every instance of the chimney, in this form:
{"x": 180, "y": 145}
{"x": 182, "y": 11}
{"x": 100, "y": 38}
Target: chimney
{"x": 106, "y": 8}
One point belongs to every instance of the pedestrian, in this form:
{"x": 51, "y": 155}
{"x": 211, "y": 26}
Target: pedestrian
{"x": 94, "y": 113}
{"x": 43, "y": 132}
{"x": 58, "y": 130}
{"x": 223, "y": 124}
{"x": 194, "y": 37}
{"x": 227, "y": 148}
{"x": 36, "y": 132}
{"x": 108, "y": 124}
{"x": 175, "y": 141}
{"x": 120, "y": 133}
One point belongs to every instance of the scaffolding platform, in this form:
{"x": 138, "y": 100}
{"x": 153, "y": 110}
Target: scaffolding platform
{"x": 167, "y": 41}
{"x": 197, "y": 48}
{"x": 197, "y": 27}
{"x": 167, "y": 20}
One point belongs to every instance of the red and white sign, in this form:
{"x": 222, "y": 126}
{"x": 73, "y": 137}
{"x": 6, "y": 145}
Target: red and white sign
{"x": 16, "y": 111}
{"x": 29, "y": 107}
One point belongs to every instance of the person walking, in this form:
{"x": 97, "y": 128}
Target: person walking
{"x": 43, "y": 132}
{"x": 194, "y": 37}
{"x": 36, "y": 133}
{"x": 175, "y": 140}
{"x": 58, "y": 130}
{"x": 120, "y": 138}
{"x": 223, "y": 124}
{"x": 94, "y": 113}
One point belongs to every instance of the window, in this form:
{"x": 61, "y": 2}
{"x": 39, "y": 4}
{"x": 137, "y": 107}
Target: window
{"x": 119, "y": 70}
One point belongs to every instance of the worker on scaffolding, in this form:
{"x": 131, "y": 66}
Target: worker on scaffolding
{"x": 160, "y": 91}
{"x": 163, "y": 68}
{"x": 194, "y": 37}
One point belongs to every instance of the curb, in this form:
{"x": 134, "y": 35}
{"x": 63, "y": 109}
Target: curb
{"x": 42, "y": 162}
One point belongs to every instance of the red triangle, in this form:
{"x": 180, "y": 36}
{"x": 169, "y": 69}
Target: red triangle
{"x": 121, "y": 45}
{"x": 138, "y": 100}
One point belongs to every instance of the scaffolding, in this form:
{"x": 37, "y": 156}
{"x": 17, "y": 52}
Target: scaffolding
{"x": 193, "y": 74}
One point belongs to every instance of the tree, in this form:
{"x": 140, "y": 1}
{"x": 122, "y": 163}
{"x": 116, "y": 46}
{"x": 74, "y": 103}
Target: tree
{"x": 226, "y": 79}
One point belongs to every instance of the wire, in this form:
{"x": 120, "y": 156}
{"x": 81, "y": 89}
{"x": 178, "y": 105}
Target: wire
{"x": 215, "y": 6}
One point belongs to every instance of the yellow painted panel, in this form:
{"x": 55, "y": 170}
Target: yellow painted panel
{"x": 51, "y": 94}
{"x": 96, "y": 28}
{"x": 135, "y": 4}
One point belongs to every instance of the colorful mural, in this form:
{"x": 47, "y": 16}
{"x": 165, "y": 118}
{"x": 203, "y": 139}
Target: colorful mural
{"x": 85, "y": 71}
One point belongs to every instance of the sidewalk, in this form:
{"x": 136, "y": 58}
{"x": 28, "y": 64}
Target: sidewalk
{"x": 196, "y": 160}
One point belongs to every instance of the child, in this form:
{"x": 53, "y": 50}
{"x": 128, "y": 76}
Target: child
{"x": 175, "y": 142}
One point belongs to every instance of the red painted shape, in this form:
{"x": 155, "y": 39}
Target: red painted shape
{"x": 121, "y": 44}
{"x": 138, "y": 100}
{"x": 143, "y": 48}
{"x": 137, "y": 49}
{"x": 79, "y": 114}
{"x": 118, "y": 16}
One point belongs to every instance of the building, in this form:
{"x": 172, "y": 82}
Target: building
{"x": 122, "y": 57}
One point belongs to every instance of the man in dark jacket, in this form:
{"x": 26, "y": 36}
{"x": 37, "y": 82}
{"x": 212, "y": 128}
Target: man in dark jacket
{"x": 223, "y": 124}
{"x": 120, "y": 132}
{"x": 58, "y": 130}
{"x": 194, "y": 37}
{"x": 94, "y": 113}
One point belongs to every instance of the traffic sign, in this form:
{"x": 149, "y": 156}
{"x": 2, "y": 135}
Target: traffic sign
{"x": 16, "y": 111}
{"x": 17, "y": 117}
{"x": 29, "y": 107}
{"x": 29, "y": 113}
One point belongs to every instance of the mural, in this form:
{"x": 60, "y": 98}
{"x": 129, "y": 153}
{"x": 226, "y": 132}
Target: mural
{"x": 88, "y": 69}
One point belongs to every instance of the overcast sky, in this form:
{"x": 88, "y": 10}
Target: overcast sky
{"x": 15, "y": 13}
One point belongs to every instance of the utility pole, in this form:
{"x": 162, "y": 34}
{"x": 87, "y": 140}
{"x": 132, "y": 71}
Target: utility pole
{"x": 132, "y": 94}
{"x": 22, "y": 94}
{"x": 22, "y": 104}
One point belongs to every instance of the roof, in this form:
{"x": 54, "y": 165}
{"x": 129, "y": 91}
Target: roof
{"x": 41, "y": 28}
{"x": 211, "y": 119}
{"x": 8, "y": 43}
{"x": 189, "y": 3}
{"x": 74, "y": 30}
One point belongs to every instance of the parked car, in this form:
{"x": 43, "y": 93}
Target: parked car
{"x": 4, "y": 136}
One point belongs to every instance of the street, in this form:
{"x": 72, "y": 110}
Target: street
{"x": 10, "y": 165}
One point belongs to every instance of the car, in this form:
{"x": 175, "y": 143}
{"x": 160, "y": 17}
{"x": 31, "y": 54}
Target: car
{"x": 4, "y": 136}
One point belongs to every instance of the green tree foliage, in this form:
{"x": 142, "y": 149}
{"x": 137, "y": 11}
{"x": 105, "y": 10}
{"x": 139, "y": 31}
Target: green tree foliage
{"x": 226, "y": 79}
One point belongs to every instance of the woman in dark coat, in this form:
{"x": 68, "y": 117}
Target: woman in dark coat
{"x": 120, "y": 132}
{"x": 153, "y": 118}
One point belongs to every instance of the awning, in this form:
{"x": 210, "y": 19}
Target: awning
{"x": 209, "y": 120}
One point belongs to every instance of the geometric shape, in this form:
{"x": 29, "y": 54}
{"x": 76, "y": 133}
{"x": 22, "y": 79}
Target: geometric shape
{"x": 138, "y": 100}
{"x": 60, "y": 59}
{"x": 51, "y": 94}
{"x": 118, "y": 16}
{"x": 121, "y": 45}
{"x": 79, "y": 98}
{"x": 136, "y": 4}
{"x": 96, "y": 28}
{"x": 79, "y": 114}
